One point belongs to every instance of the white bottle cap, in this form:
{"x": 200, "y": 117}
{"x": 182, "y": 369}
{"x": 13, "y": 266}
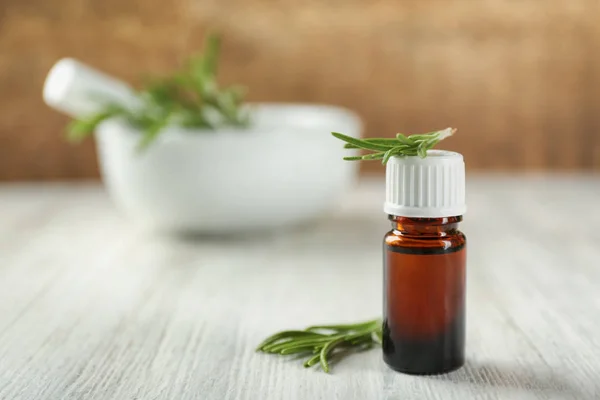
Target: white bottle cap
{"x": 430, "y": 187}
{"x": 79, "y": 90}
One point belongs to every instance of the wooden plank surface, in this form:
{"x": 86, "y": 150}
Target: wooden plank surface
{"x": 92, "y": 308}
{"x": 520, "y": 79}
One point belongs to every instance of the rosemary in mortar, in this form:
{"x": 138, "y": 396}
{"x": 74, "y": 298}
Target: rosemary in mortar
{"x": 320, "y": 344}
{"x": 190, "y": 98}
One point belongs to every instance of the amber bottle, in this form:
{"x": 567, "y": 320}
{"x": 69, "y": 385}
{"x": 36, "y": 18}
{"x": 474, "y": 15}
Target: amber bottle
{"x": 424, "y": 264}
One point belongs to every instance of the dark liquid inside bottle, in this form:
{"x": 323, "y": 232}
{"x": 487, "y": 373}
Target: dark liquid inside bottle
{"x": 424, "y": 302}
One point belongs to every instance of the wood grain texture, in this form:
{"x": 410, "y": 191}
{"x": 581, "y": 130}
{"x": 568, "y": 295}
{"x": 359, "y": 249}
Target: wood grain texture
{"x": 520, "y": 79}
{"x": 92, "y": 308}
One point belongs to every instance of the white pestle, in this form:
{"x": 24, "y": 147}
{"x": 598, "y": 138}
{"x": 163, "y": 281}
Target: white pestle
{"x": 79, "y": 90}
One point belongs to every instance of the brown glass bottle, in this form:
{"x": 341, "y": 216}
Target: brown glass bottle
{"x": 424, "y": 295}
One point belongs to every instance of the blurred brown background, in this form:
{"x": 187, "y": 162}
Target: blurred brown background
{"x": 520, "y": 79}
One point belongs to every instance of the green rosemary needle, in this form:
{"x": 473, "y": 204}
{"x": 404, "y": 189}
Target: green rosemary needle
{"x": 323, "y": 342}
{"x": 401, "y": 145}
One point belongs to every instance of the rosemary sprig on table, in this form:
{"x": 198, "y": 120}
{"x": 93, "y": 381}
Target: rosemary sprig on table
{"x": 401, "y": 145}
{"x": 323, "y": 342}
{"x": 190, "y": 98}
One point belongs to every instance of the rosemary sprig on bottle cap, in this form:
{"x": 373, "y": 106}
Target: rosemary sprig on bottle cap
{"x": 322, "y": 343}
{"x": 401, "y": 145}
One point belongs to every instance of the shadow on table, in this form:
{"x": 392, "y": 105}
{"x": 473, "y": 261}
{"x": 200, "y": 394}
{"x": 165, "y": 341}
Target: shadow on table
{"x": 529, "y": 379}
{"x": 335, "y": 229}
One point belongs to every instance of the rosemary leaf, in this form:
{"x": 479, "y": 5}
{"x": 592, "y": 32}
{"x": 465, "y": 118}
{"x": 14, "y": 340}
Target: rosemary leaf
{"x": 374, "y": 156}
{"x": 326, "y": 352}
{"x": 77, "y": 130}
{"x": 313, "y": 360}
{"x": 388, "y": 154}
{"x": 422, "y": 150}
{"x": 353, "y": 158}
{"x": 284, "y": 335}
{"x": 345, "y": 327}
{"x": 382, "y": 141}
{"x": 403, "y": 139}
{"x": 363, "y": 144}
{"x": 296, "y": 350}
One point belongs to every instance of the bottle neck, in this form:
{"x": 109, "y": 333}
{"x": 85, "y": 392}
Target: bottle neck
{"x": 435, "y": 227}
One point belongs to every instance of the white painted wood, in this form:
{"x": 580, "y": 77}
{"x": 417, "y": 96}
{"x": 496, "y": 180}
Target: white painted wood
{"x": 92, "y": 308}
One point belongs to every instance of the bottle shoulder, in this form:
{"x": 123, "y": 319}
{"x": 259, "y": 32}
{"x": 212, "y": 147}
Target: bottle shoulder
{"x": 450, "y": 240}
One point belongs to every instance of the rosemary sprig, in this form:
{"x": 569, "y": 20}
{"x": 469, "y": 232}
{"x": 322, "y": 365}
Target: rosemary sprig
{"x": 190, "y": 98}
{"x": 323, "y": 342}
{"x": 401, "y": 145}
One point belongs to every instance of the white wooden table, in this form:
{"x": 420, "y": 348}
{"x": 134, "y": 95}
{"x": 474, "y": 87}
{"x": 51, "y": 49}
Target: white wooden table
{"x": 92, "y": 308}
